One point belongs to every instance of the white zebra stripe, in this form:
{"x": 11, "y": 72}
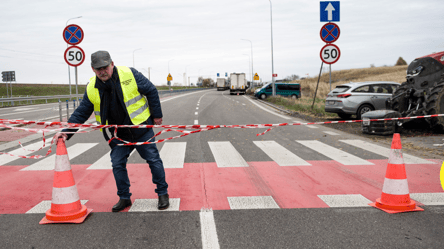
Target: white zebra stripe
{"x": 226, "y": 155}
{"x": 173, "y": 154}
{"x": 335, "y": 154}
{"x": 280, "y": 154}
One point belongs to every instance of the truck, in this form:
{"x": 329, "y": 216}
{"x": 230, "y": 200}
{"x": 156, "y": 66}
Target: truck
{"x": 221, "y": 84}
{"x": 238, "y": 83}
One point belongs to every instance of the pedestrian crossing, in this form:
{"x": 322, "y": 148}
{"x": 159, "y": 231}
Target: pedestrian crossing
{"x": 259, "y": 202}
{"x": 225, "y": 154}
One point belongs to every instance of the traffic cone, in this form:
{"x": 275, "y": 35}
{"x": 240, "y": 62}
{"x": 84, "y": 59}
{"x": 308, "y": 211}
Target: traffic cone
{"x": 395, "y": 197}
{"x": 65, "y": 204}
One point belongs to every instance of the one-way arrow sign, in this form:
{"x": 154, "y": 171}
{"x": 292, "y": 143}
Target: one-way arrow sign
{"x": 330, "y": 11}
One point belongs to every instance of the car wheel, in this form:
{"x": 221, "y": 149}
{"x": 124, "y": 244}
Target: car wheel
{"x": 263, "y": 96}
{"x": 363, "y": 109}
{"x": 344, "y": 115}
{"x": 294, "y": 96}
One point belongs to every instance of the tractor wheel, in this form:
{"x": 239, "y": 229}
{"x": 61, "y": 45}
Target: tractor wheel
{"x": 401, "y": 104}
{"x": 435, "y": 105}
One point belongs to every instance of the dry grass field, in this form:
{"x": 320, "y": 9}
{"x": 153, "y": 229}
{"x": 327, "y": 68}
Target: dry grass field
{"x": 392, "y": 73}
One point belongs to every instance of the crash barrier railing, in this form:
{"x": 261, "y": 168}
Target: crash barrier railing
{"x": 167, "y": 128}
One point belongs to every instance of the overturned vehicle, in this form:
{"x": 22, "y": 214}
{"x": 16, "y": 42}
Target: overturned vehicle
{"x": 422, "y": 94}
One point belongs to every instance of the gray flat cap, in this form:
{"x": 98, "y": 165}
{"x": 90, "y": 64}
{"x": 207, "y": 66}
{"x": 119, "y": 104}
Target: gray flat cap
{"x": 100, "y": 59}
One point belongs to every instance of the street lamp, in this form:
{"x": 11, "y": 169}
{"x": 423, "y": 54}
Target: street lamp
{"x": 252, "y": 71}
{"x": 248, "y": 63}
{"x": 272, "y": 62}
{"x": 133, "y": 56}
{"x": 186, "y": 73}
{"x": 69, "y": 71}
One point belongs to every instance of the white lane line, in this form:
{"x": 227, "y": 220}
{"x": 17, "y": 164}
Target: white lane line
{"x": 105, "y": 161}
{"x": 311, "y": 126}
{"x": 49, "y": 162}
{"x": 150, "y": 205}
{"x": 354, "y": 200}
{"x": 385, "y": 152}
{"x": 182, "y": 95}
{"x": 173, "y": 154}
{"x": 331, "y": 133}
{"x": 272, "y": 112}
{"x": 4, "y": 159}
{"x": 428, "y": 198}
{"x": 252, "y": 202}
{"x": 208, "y": 230}
{"x": 196, "y": 122}
{"x": 7, "y": 114}
{"x": 197, "y": 108}
{"x": 43, "y": 206}
{"x": 226, "y": 155}
{"x": 280, "y": 154}
{"x": 243, "y": 104}
{"x": 195, "y": 113}
{"x": 335, "y": 154}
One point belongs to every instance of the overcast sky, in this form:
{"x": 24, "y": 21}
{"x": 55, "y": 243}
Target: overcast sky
{"x": 205, "y": 37}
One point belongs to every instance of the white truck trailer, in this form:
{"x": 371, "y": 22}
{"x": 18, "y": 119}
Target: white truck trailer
{"x": 221, "y": 84}
{"x": 238, "y": 83}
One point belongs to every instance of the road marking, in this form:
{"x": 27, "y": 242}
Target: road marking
{"x": 195, "y": 113}
{"x": 181, "y": 95}
{"x": 335, "y": 154}
{"x": 49, "y": 162}
{"x": 355, "y": 200}
{"x": 105, "y": 161}
{"x": 280, "y": 154}
{"x": 282, "y": 116}
{"x": 4, "y": 159}
{"x": 196, "y": 122}
{"x": 197, "y": 108}
{"x": 252, "y": 202}
{"x": 331, "y": 133}
{"x": 428, "y": 198}
{"x": 310, "y": 126}
{"x": 7, "y": 114}
{"x": 208, "y": 230}
{"x": 226, "y": 155}
{"x": 44, "y": 206}
{"x": 150, "y": 205}
{"x": 385, "y": 152}
{"x": 173, "y": 154}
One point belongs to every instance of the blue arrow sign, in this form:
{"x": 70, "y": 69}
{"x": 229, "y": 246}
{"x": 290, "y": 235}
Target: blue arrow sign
{"x": 217, "y": 74}
{"x": 330, "y": 11}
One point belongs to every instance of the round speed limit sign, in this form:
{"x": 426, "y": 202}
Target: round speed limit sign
{"x": 74, "y": 56}
{"x": 330, "y": 54}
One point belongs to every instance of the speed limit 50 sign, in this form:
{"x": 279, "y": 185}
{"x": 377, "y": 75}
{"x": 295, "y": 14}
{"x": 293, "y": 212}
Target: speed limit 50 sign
{"x": 330, "y": 54}
{"x": 74, "y": 56}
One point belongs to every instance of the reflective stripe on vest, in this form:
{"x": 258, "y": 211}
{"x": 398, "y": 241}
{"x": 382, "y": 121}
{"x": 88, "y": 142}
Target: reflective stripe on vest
{"x": 136, "y": 104}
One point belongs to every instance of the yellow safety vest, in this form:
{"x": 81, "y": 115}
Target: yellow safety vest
{"x": 136, "y": 104}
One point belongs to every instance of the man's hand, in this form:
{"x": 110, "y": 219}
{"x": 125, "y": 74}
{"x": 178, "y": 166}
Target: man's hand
{"x": 60, "y": 135}
{"x": 158, "y": 121}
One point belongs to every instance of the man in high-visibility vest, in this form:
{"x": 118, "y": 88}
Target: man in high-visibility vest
{"x": 123, "y": 96}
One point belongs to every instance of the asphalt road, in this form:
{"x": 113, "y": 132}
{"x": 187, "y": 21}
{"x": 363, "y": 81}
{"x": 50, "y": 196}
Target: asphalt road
{"x": 294, "y": 187}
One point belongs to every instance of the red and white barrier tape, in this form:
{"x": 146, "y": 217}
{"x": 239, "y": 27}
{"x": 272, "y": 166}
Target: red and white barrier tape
{"x": 167, "y": 128}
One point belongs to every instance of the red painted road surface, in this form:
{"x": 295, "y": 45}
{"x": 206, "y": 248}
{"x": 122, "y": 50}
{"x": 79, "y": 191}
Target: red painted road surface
{"x": 205, "y": 185}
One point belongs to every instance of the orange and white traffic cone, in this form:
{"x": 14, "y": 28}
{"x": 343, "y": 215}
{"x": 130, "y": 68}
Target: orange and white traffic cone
{"x": 395, "y": 197}
{"x": 65, "y": 204}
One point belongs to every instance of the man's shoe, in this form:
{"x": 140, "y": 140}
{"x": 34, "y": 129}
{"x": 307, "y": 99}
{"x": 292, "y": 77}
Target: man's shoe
{"x": 164, "y": 202}
{"x": 121, "y": 205}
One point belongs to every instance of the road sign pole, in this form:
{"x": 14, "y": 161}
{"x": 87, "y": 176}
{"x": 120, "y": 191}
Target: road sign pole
{"x": 77, "y": 91}
{"x": 330, "y": 77}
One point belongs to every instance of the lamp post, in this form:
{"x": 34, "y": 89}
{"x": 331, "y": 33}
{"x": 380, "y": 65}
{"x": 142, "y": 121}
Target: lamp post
{"x": 252, "y": 71}
{"x": 248, "y": 64}
{"x": 186, "y": 74}
{"x": 69, "y": 71}
{"x": 272, "y": 62}
{"x": 133, "y": 56}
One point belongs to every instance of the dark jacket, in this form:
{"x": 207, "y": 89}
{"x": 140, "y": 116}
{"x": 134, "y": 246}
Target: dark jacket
{"x": 144, "y": 86}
